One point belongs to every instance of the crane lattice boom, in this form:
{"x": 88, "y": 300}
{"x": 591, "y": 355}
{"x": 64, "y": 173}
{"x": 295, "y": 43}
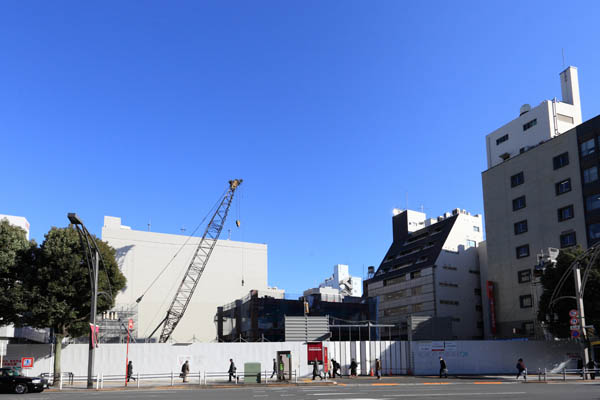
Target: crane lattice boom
{"x": 196, "y": 268}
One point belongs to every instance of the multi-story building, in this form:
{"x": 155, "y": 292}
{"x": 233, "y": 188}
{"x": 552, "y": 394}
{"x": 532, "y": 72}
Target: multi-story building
{"x": 541, "y": 192}
{"x": 534, "y": 125}
{"x": 341, "y": 280}
{"x": 431, "y": 269}
{"x": 234, "y": 269}
{"x": 547, "y": 197}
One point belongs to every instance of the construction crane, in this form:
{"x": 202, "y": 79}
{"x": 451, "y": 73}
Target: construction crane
{"x": 197, "y": 265}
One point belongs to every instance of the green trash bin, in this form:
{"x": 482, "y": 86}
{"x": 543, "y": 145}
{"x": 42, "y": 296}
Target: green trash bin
{"x": 252, "y": 372}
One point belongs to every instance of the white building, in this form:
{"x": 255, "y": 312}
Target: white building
{"x": 341, "y": 280}
{"x": 535, "y": 125}
{"x": 431, "y": 269}
{"x": 21, "y": 222}
{"x": 233, "y": 269}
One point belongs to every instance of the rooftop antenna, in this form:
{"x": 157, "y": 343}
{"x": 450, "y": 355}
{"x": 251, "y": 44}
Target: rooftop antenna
{"x": 422, "y": 208}
{"x": 182, "y": 229}
{"x": 149, "y": 224}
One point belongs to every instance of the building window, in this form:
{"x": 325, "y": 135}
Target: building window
{"x": 587, "y": 147}
{"x": 594, "y": 231}
{"x": 449, "y": 302}
{"x": 501, "y": 139}
{"x": 471, "y": 243}
{"x": 520, "y": 227}
{"x": 393, "y": 281}
{"x": 523, "y": 251}
{"x": 422, "y": 259}
{"x": 478, "y": 291}
{"x": 526, "y": 301}
{"x": 590, "y": 174}
{"x": 567, "y": 240}
{"x": 478, "y": 307}
{"x": 476, "y": 229}
{"x": 563, "y": 186}
{"x": 417, "y": 291}
{"x": 448, "y": 284}
{"x": 524, "y": 276}
{"x": 565, "y": 213}
{"x": 528, "y": 328}
{"x": 592, "y": 202}
{"x": 519, "y": 203}
{"x": 448, "y": 267}
{"x": 418, "y": 307}
{"x": 561, "y": 160}
{"x": 530, "y": 124}
{"x": 474, "y": 271}
{"x": 517, "y": 179}
{"x": 415, "y": 274}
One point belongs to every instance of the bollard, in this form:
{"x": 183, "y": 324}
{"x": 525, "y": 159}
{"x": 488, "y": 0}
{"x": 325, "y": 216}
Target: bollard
{"x": 171, "y": 377}
{"x": 102, "y": 380}
{"x": 525, "y": 376}
{"x": 539, "y": 374}
{"x": 545, "y": 375}
{"x": 204, "y": 378}
{"x": 199, "y": 378}
{"x": 60, "y": 381}
{"x": 564, "y": 374}
{"x": 138, "y": 380}
{"x": 97, "y": 382}
{"x": 296, "y": 377}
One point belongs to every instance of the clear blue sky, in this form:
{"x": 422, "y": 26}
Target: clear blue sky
{"x": 333, "y": 112}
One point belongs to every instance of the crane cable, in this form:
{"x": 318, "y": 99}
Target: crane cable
{"x": 181, "y": 247}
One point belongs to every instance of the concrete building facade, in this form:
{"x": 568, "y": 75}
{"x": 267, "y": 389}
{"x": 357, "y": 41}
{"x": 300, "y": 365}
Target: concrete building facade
{"x": 545, "y": 198}
{"x": 534, "y": 125}
{"x": 431, "y": 269}
{"x": 233, "y": 269}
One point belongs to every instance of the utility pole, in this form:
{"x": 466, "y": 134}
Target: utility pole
{"x": 580, "y": 310}
{"x": 93, "y": 338}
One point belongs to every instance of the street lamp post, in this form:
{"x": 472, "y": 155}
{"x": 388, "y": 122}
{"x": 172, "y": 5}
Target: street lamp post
{"x": 92, "y": 257}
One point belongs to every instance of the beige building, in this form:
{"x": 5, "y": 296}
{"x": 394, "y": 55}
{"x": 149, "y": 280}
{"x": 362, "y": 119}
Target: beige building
{"x": 530, "y": 202}
{"x": 234, "y": 269}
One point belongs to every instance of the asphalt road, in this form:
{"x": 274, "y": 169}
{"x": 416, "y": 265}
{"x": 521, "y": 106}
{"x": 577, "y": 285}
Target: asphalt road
{"x": 454, "y": 390}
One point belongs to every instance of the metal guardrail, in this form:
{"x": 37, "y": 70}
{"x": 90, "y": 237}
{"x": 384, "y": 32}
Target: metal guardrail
{"x": 566, "y": 373}
{"x": 203, "y": 378}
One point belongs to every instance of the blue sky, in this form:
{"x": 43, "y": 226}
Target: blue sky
{"x": 333, "y": 113}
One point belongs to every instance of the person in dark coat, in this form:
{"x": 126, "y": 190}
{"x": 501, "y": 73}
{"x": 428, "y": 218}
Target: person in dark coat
{"x": 185, "y": 370}
{"x": 316, "y": 370}
{"x": 336, "y": 368}
{"x": 353, "y": 367}
{"x": 521, "y": 369}
{"x": 443, "y": 368}
{"x": 275, "y": 369}
{"x": 130, "y": 371}
{"x": 592, "y": 367}
{"x": 231, "y": 370}
{"x": 378, "y": 368}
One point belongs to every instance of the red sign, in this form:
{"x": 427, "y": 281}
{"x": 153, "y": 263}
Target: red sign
{"x": 130, "y": 325}
{"x": 574, "y": 321}
{"x": 490, "y": 294}
{"x": 27, "y": 362}
{"x": 573, "y": 313}
{"x": 315, "y": 352}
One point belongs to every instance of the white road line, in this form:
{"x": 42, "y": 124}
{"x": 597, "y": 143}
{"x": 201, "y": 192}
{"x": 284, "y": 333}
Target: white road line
{"x": 455, "y": 394}
{"x": 332, "y": 394}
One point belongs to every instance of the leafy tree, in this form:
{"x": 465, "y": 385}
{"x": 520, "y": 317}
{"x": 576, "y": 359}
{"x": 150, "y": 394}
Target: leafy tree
{"x": 58, "y": 290}
{"x": 557, "y": 317}
{"x": 15, "y": 254}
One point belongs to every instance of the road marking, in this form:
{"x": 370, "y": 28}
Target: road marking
{"x": 437, "y": 383}
{"x": 488, "y": 383}
{"x": 456, "y": 394}
{"x": 385, "y": 384}
{"x": 332, "y": 394}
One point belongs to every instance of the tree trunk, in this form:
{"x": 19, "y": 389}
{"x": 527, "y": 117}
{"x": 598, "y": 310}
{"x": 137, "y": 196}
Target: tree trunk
{"x": 57, "y": 355}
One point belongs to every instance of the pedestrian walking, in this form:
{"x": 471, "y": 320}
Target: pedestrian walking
{"x": 521, "y": 369}
{"x": 443, "y": 368}
{"x": 185, "y": 370}
{"x": 330, "y": 368}
{"x": 353, "y": 367}
{"x": 275, "y": 369}
{"x": 130, "y": 371}
{"x": 378, "y": 368}
{"x": 592, "y": 369}
{"x": 231, "y": 370}
{"x": 336, "y": 368}
{"x": 316, "y": 370}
